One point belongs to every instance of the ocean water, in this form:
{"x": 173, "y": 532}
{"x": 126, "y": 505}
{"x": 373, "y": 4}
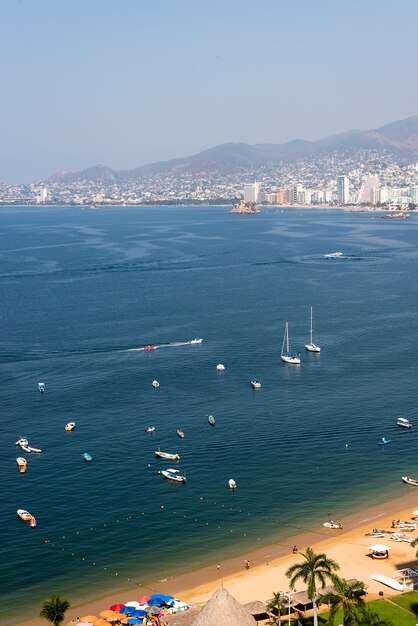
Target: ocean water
{"x": 80, "y": 289}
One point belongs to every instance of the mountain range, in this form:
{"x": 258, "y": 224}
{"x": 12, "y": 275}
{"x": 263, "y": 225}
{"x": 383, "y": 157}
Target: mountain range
{"x": 398, "y": 137}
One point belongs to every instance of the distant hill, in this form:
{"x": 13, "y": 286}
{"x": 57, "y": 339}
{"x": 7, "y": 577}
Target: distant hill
{"x": 401, "y": 136}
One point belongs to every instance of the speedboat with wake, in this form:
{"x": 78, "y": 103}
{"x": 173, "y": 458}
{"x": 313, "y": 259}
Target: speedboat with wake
{"x": 333, "y": 255}
{"x": 167, "y": 455}
{"x": 149, "y": 347}
{"x": 193, "y": 342}
{"x": 174, "y": 474}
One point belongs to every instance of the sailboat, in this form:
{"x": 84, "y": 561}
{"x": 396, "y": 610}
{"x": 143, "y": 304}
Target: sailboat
{"x": 286, "y": 355}
{"x": 311, "y": 347}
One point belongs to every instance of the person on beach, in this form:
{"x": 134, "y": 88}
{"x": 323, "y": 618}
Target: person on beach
{"x": 247, "y": 564}
{"x": 219, "y": 568}
{"x": 295, "y": 549}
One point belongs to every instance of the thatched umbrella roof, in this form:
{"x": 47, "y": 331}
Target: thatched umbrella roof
{"x": 223, "y": 610}
{"x": 257, "y": 609}
{"x": 183, "y": 618}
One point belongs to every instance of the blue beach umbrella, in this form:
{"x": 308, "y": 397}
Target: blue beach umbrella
{"x": 127, "y": 610}
{"x": 134, "y": 620}
{"x": 138, "y": 613}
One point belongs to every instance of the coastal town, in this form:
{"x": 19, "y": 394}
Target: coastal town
{"x": 355, "y": 177}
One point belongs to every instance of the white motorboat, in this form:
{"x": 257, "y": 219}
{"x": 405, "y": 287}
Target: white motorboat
{"x": 410, "y": 481}
{"x": 41, "y": 387}
{"x": 174, "y": 474}
{"x": 32, "y": 449}
{"x": 150, "y": 429}
{"x": 26, "y": 449}
{"x": 21, "y": 461}
{"x": 403, "y": 422}
{"x": 333, "y": 255}
{"x": 211, "y": 420}
{"x": 24, "y": 515}
{"x": 70, "y": 426}
{"x": 180, "y": 433}
{"x": 404, "y": 525}
{"x": 232, "y": 484}
{"x": 286, "y": 355}
{"x": 196, "y": 341}
{"x": 256, "y": 384}
{"x": 311, "y": 347}
{"x": 155, "y": 384}
{"x": 22, "y": 441}
{"x": 220, "y": 367}
{"x": 167, "y": 455}
{"x": 332, "y": 524}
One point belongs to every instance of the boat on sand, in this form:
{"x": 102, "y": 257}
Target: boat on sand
{"x": 410, "y": 481}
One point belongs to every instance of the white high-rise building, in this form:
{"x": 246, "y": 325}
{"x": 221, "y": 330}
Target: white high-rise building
{"x": 413, "y": 191}
{"x": 251, "y": 192}
{"x": 343, "y": 190}
{"x": 368, "y": 191}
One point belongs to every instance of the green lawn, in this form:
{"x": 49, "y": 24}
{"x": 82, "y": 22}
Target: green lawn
{"x": 396, "y": 614}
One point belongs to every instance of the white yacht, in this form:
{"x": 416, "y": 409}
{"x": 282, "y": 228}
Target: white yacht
{"x": 41, "y": 387}
{"x": 287, "y": 356}
{"x": 311, "y": 347}
{"x": 167, "y": 455}
{"x": 403, "y": 422}
{"x": 333, "y": 255}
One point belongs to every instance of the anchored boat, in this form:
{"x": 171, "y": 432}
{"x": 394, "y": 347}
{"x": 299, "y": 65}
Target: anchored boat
{"x": 167, "y": 455}
{"x": 286, "y": 355}
{"x": 24, "y": 515}
{"x": 311, "y": 347}
{"x": 174, "y": 474}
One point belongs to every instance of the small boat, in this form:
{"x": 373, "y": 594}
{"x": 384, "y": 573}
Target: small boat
{"x": 24, "y": 515}
{"x": 155, "y": 384}
{"x": 36, "y": 450}
{"x": 33, "y": 522}
{"x": 403, "y": 422}
{"x": 375, "y": 535}
{"x": 150, "y": 429}
{"x": 196, "y": 341}
{"x": 256, "y": 384}
{"x": 180, "y": 433}
{"x": 167, "y": 455}
{"x": 220, "y": 368}
{"x": 404, "y": 525}
{"x": 174, "y": 474}
{"x": 333, "y": 255}
{"x": 232, "y": 484}
{"x": 311, "y": 347}
{"x": 21, "y": 462}
{"x": 384, "y": 442}
{"x": 22, "y": 441}
{"x": 150, "y": 346}
{"x": 332, "y": 524}
{"x": 211, "y": 420}
{"x": 70, "y": 426}
{"x": 87, "y": 457}
{"x": 26, "y": 449}
{"x": 286, "y": 355}
{"x": 410, "y": 481}
{"x": 41, "y": 387}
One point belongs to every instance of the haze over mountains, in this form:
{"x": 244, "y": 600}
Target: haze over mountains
{"x": 398, "y": 137}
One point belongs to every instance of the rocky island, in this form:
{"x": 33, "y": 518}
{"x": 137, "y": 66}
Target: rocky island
{"x": 245, "y": 207}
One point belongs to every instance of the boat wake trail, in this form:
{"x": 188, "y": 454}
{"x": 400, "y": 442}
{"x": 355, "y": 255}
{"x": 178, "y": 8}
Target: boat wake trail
{"x": 173, "y": 344}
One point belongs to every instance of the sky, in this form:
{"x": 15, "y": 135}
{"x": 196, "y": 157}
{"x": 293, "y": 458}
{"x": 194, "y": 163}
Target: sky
{"x": 128, "y": 82}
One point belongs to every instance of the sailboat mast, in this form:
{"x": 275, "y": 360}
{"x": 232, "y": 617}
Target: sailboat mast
{"x": 287, "y": 338}
{"x": 311, "y": 324}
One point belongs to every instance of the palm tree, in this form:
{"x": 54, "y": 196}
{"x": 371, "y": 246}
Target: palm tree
{"x": 276, "y": 602}
{"x": 368, "y": 617}
{"x": 346, "y": 596}
{"x": 54, "y": 609}
{"x": 315, "y": 569}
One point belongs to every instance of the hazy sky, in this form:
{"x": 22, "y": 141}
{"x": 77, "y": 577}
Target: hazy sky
{"x": 128, "y": 82}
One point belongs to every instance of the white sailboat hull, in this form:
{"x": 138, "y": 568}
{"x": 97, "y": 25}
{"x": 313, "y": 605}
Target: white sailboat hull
{"x": 311, "y": 347}
{"x": 295, "y": 360}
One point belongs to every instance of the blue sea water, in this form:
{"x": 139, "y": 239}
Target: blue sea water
{"x": 80, "y": 289}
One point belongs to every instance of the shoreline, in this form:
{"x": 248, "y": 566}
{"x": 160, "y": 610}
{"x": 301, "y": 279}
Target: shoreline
{"x": 348, "y": 547}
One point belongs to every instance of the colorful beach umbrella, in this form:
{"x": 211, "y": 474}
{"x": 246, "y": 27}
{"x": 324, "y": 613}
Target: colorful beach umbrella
{"x": 127, "y": 610}
{"x": 84, "y": 623}
{"x": 89, "y": 618}
{"x": 107, "y": 614}
{"x": 144, "y": 599}
{"x": 116, "y": 607}
{"x": 115, "y": 617}
{"x": 138, "y": 613}
{"x": 101, "y": 622}
{"x": 134, "y": 620}
{"x": 133, "y": 603}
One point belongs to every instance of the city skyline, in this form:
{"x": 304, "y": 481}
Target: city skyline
{"x": 131, "y": 83}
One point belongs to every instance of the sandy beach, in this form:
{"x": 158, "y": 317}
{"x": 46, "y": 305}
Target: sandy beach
{"x": 349, "y": 547}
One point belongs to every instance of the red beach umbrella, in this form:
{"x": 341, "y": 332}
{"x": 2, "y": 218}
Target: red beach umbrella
{"x": 144, "y": 599}
{"x": 116, "y": 607}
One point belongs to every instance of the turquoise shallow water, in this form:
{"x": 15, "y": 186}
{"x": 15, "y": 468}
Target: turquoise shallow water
{"x": 79, "y": 289}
